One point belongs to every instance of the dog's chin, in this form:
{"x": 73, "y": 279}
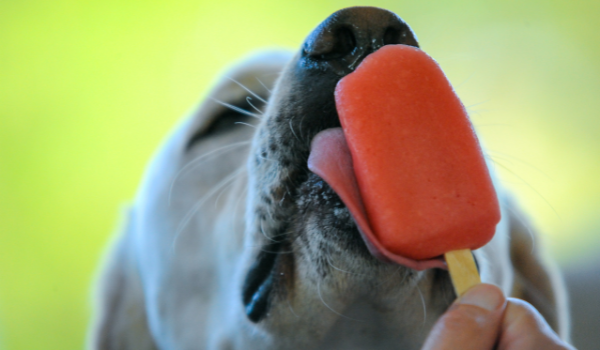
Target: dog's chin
{"x": 325, "y": 227}
{"x": 321, "y": 242}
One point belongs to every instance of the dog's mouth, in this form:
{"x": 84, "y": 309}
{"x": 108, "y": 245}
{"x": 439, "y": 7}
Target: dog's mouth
{"x": 330, "y": 159}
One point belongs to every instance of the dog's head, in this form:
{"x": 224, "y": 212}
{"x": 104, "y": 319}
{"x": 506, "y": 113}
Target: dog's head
{"x": 238, "y": 245}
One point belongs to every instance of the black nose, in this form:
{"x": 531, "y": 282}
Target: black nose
{"x": 344, "y": 39}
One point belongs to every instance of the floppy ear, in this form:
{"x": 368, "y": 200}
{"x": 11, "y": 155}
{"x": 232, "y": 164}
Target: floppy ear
{"x": 537, "y": 280}
{"x": 120, "y": 320}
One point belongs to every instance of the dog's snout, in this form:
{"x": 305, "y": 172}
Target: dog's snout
{"x": 344, "y": 39}
{"x": 331, "y": 51}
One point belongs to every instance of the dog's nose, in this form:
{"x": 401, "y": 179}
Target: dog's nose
{"x": 345, "y": 38}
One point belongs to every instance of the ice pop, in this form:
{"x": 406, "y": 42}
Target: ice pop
{"x": 414, "y": 175}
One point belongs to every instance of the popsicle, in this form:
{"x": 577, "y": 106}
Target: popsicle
{"x": 408, "y": 164}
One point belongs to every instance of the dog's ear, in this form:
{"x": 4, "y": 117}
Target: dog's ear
{"x": 120, "y": 320}
{"x": 537, "y": 280}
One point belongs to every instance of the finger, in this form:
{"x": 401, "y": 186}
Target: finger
{"x": 524, "y": 328}
{"x": 471, "y": 323}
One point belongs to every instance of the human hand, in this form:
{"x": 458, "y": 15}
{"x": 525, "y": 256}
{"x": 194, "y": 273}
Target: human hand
{"x": 483, "y": 319}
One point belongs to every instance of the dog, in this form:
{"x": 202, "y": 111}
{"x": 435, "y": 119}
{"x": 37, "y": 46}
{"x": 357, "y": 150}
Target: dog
{"x": 232, "y": 243}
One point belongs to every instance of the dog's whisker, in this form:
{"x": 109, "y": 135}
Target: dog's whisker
{"x": 509, "y": 157}
{"x": 328, "y": 259}
{"x": 193, "y": 163}
{"x": 476, "y": 104}
{"x": 261, "y": 248}
{"x": 250, "y": 125}
{"x": 477, "y": 112}
{"x": 530, "y": 187}
{"x": 270, "y": 212}
{"x": 224, "y": 188}
{"x": 491, "y": 124}
{"x": 464, "y": 81}
{"x": 301, "y": 123}
{"x": 272, "y": 74}
{"x": 188, "y": 216}
{"x": 277, "y": 251}
{"x": 400, "y": 290}
{"x": 247, "y": 89}
{"x": 492, "y": 162}
{"x": 292, "y": 128}
{"x": 242, "y": 195}
{"x": 263, "y": 85}
{"x": 330, "y": 308}
{"x": 424, "y": 304}
{"x": 226, "y": 181}
{"x": 235, "y": 108}
{"x": 199, "y": 203}
{"x": 287, "y": 192}
{"x": 291, "y": 309}
{"x": 262, "y": 230}
{"x": 249, "y": 100}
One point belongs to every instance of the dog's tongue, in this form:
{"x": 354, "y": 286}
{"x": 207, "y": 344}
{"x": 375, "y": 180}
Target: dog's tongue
{"x": 330, "y": 159}
{"x": 407, "y": 163}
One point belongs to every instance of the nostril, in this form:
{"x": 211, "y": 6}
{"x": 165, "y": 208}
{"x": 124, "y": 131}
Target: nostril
{"x": 346, "y": 42}
{"x": 394, "y": 36}
{"x": 332, "y": 44}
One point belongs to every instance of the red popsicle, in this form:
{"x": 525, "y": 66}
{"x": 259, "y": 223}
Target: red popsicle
{"x": 422, "y": 181}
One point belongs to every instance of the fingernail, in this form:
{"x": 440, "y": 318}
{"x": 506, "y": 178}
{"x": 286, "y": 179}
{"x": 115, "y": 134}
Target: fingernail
{"x": 485, "y": 296}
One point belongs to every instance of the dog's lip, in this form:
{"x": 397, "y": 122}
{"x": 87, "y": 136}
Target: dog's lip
{"x": 330, "y": 159}
{"x": 259, "y": 282}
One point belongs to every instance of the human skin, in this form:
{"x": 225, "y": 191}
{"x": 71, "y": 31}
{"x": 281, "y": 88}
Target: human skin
{"x": 483, "y": 318}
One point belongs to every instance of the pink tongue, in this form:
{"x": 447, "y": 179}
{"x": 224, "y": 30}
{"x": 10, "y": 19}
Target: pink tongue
{"x": 330, "y": 159}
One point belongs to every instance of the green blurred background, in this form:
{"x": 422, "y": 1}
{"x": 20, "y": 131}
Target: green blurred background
{"x": 89, "y": 88}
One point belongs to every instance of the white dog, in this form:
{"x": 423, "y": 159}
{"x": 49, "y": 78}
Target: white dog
{"x": 232, "y": 243}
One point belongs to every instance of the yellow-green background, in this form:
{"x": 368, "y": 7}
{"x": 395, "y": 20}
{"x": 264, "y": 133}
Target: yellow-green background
{"x": 89, "y": 88}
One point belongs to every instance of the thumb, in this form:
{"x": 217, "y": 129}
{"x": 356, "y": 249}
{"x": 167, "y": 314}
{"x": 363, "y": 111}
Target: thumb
{"x": 471, "y": 323}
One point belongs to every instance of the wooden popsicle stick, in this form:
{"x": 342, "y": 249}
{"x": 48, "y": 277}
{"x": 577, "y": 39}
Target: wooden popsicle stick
{"x": 463, "y": 270}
